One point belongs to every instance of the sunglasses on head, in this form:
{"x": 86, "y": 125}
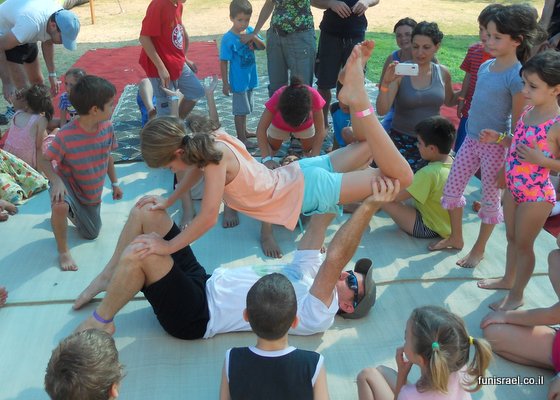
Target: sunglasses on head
{"x": 352, "y": 283}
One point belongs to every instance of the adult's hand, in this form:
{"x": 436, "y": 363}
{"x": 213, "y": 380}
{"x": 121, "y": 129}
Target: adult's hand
{"x": 158, "y": 202}
{"x": 342, "y": 9}
{"x": 494, "y": 317}
{"x": 360, "y": 8}
{"x": 151, "y": 243}
{"x": 55, "y": 85}
{"x": 192, "y": 65}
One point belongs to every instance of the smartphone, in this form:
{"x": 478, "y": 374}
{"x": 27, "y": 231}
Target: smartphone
{"x": 409, "y": 69}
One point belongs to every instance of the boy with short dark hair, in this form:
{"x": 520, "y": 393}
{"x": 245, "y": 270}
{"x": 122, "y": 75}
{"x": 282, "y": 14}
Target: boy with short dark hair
{"x": 427, "y": 218}
{"x": 241, "y": 78}
{"x": 165, "y": 42}
{"x": 84, "y": 366}
{"x": 82, "y": 151}
{"x": 282, "y": 371}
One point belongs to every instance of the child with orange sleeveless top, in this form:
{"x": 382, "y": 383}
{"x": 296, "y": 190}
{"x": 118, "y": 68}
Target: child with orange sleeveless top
{"x": 317, "y": 185}
{"x": 530, "y": 195}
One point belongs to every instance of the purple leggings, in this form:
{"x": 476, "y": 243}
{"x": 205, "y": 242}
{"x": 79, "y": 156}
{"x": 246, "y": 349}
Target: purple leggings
{"x": 489, "y": 157}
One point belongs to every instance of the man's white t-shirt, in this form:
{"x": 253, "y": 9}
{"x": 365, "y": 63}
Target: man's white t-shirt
{"x": 27, "y": 19}
{"x": 228, "y": 287}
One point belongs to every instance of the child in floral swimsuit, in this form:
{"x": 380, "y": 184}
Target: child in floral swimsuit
{"x": 533, "y": 152}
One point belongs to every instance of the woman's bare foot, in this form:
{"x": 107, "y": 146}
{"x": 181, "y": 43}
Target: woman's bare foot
{"x": 471, "y": 260}
{"x": 446, "y": 244}
{"x": 365, "y": 50}
{"x": 268, "y": 244}
{"x": 230, "y": 218}
{"x": 67, "y": 263}
{"x": 494, "y": 284}
{"x": 92, "y": 323}
{"x": 98, "y": 285}
{"x": 249, "y": 134}
{"x": 3, "y": 295}
{"x": 4, "y": 216}
{"x": 506, "y": 304}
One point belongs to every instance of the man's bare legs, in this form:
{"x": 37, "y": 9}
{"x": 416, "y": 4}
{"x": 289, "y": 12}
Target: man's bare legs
{"x": 140, "y": 220}
{"x": 3, "y": 295}
{"x": 455, "y": 240}
{"x": 59, "y": 223}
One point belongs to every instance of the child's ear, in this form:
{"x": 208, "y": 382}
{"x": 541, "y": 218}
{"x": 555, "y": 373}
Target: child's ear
{"x": 114, "y": 391}
{"x": 296, "y": 322}
{"x": 246, "y": 316}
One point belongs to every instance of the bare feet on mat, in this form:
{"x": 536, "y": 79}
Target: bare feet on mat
{"x": 98, "y": 285}
{"x": 249, "y": 134}
{"x": 446, "y": 244}
{"x": 471, "y": 260}
{"x": 230, "y": 218}
{"x": 494, "y": 284}
{"x": 92, "y": 323}
{"x": 269, "y": 246}
{"x": 3, "y": 295}
{"x": 506, "y": 304}
{"x": 67, "y": 263}
{"x": 6, "y": 209}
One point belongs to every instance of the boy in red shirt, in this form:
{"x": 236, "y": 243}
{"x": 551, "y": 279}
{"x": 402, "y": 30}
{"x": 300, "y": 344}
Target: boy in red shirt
{"x": 164, "y": 43}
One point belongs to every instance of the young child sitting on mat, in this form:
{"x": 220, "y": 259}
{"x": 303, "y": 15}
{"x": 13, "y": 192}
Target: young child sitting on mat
{"x": 427, "y": 218}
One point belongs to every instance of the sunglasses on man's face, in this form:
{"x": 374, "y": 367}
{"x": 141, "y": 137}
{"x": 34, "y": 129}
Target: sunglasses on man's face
{"x": 352, "y": 283}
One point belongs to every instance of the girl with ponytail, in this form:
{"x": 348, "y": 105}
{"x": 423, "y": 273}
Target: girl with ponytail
{"x": 437, "y": 341}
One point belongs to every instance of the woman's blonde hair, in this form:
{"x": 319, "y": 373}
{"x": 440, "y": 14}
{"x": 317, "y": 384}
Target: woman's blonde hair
{"x": 162, "y": 136}
{"x": 441, "y": 338}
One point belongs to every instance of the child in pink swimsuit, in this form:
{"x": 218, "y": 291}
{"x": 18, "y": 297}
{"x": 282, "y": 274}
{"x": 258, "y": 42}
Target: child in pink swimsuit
{"x": 29, "y": 124}
{"x": 530, "y": 195}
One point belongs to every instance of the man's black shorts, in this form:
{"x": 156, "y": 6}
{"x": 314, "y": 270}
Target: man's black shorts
{"x": 179, "y": 298}
{"x": 25, "y": 53}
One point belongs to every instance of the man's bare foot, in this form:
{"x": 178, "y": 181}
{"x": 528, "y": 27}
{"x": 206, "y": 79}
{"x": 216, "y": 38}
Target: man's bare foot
{"x": 446, "y": 244}
{"x": 269, "y": 246}
{"x": 230, "y": 218}
{"x": 471, "y": 260}
{"x": 66, "y": 261}
{"x": 249, "y": 134}
{"x": 365, "y": 49}
{"x": 506, "y": 304}
{"x": 98, "y": 285}
{"x": 494, "y": 284}
{"x": 3, "y": 295}
{"x": 92, "y": 323}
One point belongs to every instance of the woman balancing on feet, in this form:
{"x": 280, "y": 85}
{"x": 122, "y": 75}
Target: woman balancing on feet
{"x": 318, "y": 185}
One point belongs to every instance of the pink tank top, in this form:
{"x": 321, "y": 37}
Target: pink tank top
{"x": 273, "y": 196}
{"x": 21, "y": 142}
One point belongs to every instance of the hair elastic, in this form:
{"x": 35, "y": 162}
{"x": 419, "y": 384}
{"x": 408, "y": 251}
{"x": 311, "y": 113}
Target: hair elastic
{"x": 435, "y": 346}
{"x": 365, "y": 113}
{"x": 383, "y": 88}
{"x": 184, "y": 140}
{"x": 101, "y": 319}
{"x": 471, "y": 340}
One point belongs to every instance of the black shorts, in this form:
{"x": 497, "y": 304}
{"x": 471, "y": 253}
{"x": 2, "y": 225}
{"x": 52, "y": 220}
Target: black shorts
{"x": 332, "y": 53}
{"x": 25, "y": 53}
{"x": 179, "y": 298}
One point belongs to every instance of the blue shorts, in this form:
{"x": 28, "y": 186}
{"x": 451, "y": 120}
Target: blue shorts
{"x": 322, "y": 184}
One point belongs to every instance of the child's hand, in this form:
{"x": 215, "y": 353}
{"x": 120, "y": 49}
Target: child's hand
{"x": 58, "y": 191}
{"x": 403, "y": 365}
{"x": 158, "y": 202}
{"x": 226, "y": 89}
{"x": 172, "y": 93}
{"x": 489, "y": 136}
{"x": 117, "y": 193}
{"x": 246, "y": 37}
{"x": 164, "y": 77}
{"x": 495, "y": 317}
{"x": 501, "y": 178}
{"x": 211, "y": 86}
{"x": 460, "y": 106}
{"x": 532, "y": 155}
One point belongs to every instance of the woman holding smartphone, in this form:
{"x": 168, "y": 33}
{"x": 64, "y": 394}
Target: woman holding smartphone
{"x": 417, "y": 93}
